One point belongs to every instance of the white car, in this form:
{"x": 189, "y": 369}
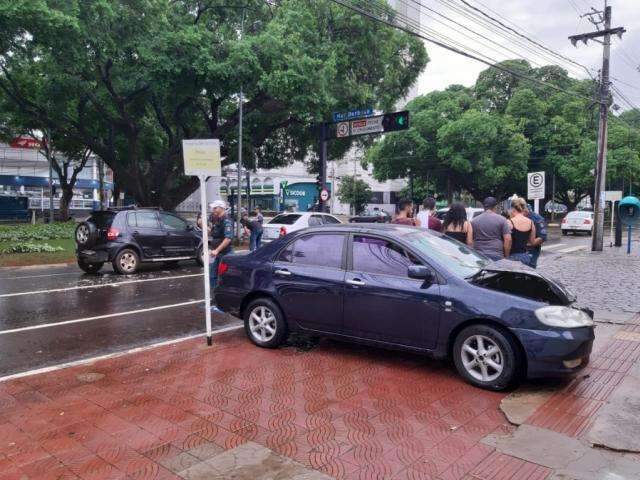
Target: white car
{"x": 577, "y": 222}
{"x": 285, "y": 223}
{"x": 472, "y": 212}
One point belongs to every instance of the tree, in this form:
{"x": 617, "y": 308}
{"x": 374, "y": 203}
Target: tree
{"x": 355, "y": 192}
{"x": 130, "y": 79}
{"x": 631, "y": 117}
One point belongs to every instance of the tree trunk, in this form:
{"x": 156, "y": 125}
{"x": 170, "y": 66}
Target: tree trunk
{"x": 65, "y": 201}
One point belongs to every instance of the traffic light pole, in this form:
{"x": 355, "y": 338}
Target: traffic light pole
{"x": 324, "y": 127}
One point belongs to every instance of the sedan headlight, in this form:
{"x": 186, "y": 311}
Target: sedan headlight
{"x": 563, "y": 317}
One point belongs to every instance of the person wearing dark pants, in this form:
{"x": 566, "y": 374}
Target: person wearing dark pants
{"x": 254, "y": 229}
{"x": 221, "y": 238}
{"x": 541, "y": 236}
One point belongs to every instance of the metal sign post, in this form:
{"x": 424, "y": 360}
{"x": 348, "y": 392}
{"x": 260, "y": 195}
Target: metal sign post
{"x": 202, "y": 158}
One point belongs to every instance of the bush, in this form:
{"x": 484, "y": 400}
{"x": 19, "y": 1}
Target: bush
{"x": 26, "y": 233}
{"x": 27, "y": 247}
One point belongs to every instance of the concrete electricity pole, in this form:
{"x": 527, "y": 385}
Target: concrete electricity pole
{"x": 601, "y": 170}
{"x": 240, "y": 108}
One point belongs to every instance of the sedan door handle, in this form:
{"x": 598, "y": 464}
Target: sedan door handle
{"x": 356, "y": 281}
{"x": 282, "y": 271}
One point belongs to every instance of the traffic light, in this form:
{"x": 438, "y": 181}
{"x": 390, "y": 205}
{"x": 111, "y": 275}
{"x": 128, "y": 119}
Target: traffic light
{"x": 395, "y": 121}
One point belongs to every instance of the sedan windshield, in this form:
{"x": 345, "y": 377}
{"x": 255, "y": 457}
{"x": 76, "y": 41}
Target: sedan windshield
{"x": 457, "y": 257}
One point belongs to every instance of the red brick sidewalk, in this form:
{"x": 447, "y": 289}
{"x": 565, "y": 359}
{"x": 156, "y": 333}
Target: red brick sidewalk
{"x": 348, "y": 411}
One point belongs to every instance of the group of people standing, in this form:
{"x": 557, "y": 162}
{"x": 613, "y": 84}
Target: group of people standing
{"x": 517, "y": 235}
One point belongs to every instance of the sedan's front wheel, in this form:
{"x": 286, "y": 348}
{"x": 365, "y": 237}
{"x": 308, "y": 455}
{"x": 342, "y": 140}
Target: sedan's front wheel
{"x": 486, "y": 357}
{"x": 264, "y": 323}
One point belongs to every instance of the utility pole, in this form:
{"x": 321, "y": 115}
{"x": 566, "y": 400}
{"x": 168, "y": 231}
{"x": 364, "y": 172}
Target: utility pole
{"x": 596, "y": 17}
{"x": 324, "y": 127}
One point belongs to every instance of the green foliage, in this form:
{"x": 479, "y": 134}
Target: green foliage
{"x": 29, "y": 233}
{"x": 28, "y": 247}
{"x": 131, "y": 79}
{"x": 355, "y": 192}
{"x": 483, "y": 140}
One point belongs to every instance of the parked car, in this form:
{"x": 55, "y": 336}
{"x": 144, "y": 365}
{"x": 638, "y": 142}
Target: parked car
{"x": 402, "y": 287}
{"x": 285, "y": 223}
{"x": 577, "y": 221}
{"x": 371, "y": 216}
{"x": 471, "y": 212}
{"x": 128, "y": 237}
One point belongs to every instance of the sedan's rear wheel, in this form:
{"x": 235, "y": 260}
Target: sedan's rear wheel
{"x": 126, "y": 262}
{"x": 264, "y": 323}
{"x": 486, "y": 357}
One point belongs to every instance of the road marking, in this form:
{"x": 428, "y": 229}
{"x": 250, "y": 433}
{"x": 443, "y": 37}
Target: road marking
{"x": 99, "y": 317}
{"x": 86, "y": 361}
{"x": 555, "y": 245}
{"x": 38, "y": 276}
{"x": 99, "y": 285}
{"x": 572, "y": 249}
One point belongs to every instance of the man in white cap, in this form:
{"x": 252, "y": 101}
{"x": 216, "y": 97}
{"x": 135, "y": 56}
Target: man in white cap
{"x": 221, "y": 237}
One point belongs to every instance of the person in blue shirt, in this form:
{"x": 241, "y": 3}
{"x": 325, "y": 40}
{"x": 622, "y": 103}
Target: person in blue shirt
{"x": 541, "y": 235}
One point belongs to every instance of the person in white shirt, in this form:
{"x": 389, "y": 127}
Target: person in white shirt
{"x": 428, "y": 207}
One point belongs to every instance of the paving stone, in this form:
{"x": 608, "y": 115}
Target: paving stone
{"x": 618, "y": 423}
{"x": 251, "y": 461}
{"x": 603, "y": 281}
{"x": 522, "y": 403}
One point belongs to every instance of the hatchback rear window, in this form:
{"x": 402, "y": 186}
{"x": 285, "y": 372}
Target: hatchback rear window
{"x": 288, "y": 219}
{"x": 102, "y": 219}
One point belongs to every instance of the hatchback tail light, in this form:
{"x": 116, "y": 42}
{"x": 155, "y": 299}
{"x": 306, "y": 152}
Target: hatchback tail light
{"x": 587, "y": 222}
{"x": 112, "y": 233}
{"x": 564, "y": 220}
{"x": 222, "y": 268}
{"x": 283, "y": 231}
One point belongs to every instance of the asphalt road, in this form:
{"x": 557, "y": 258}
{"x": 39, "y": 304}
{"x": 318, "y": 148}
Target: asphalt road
{"x": 57, "y": 314}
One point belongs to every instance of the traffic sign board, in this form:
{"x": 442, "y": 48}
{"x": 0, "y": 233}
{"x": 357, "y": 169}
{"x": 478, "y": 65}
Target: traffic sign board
{"x": 342, "y": 130}
{"x": 324, "y": 194}
{"x": 363, "y": 112}
{"x": 535, "y": 185}
{"x": 366, "y": 125}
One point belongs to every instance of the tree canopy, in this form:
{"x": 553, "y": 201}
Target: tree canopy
{"x": 129, "y": 79}
{"x": 483, "y": 140}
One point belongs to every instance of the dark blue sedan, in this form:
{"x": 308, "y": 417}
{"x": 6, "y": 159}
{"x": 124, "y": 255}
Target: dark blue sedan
{"x": 402, "y": 287}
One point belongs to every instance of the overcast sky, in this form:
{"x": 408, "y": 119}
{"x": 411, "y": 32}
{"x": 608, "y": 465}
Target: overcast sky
{"x": 548, "y": 21}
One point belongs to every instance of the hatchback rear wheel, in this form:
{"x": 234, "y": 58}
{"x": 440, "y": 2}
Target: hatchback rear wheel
{"x": 487, "y": 357}
{"x": 126, "y": 262}
{"x": 264, "y": 323}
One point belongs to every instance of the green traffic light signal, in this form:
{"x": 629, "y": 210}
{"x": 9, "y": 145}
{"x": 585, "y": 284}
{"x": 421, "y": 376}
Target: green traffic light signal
{"x": 401, "y": 120}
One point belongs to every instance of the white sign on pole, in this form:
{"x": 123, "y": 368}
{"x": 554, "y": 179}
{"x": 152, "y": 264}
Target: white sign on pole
{"x": 202, "y": 158}
{"x": 535, "y": 185}
{"x": 342, "y": 130}
{"x": 367, "y": 125}
{"x": 612, "y": 196}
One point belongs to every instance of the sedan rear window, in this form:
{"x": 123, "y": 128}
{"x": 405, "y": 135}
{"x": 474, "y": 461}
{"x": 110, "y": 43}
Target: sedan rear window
{"x": 286, "y": 219}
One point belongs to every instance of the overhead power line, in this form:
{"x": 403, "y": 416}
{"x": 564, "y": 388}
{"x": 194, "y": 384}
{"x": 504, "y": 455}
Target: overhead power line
{"x": 495, "y": 20}
{"x": 478, "y": 57}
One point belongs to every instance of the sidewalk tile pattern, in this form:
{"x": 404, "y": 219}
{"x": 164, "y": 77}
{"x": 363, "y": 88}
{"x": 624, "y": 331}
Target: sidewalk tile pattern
{"x": 351, "y": 412}
{"x": 571, "y": 411}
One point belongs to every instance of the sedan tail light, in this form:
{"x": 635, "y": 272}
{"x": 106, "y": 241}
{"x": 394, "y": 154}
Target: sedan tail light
{"x": 283, "y": 231}
{"x": 112, "y": 233}
{"x": 222, "y": 268}
{"x": 564, "y": 220}
{"x": 587, "y": 222}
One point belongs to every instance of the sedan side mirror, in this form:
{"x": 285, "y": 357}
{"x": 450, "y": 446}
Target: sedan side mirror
{"x": 420, "y": 272}
{"x": 190, "y": 227}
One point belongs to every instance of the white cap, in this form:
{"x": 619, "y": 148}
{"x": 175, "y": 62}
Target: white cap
{"x": 218, "y": 204}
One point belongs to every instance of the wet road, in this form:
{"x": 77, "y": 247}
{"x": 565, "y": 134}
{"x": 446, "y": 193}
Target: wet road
{"x": 57, "y": 314}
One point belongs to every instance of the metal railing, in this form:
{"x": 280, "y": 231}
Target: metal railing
{"x": 76, "y": 204}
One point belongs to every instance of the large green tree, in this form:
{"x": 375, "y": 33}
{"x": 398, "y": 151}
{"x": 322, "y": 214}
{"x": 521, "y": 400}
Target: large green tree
{"x": 129, "y": 79}
{"x": 355, "y": 192}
